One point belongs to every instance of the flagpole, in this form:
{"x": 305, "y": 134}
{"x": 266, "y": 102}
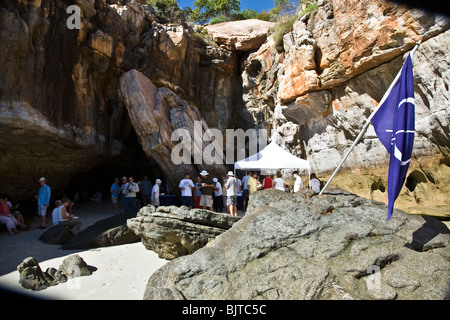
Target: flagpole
{"x": 366, "y": 125}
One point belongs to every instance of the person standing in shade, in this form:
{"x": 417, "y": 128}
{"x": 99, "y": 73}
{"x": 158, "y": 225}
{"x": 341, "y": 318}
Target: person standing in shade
{"x": 232, "y": 188}
{"x": 314, "y": 183}
{"x": 245, "y": 189}
{"x": 186, "y": 186}
{"x": 43, "y": 201}
{"x": 218, "y": 196}
{"x": 298, "y": 184}
{"x": 146, "y": 186}
{"x": 207, "y": 190}
{"x": 130, "y": 197}
{"x": 198, "y": 193}
{"x": 155, "y": 193}
{"x": 115, "y": 191}
{"x": 123, "y": 192}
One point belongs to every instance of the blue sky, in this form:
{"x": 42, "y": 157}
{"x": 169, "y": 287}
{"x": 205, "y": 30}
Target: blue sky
{"x": 257, "y": 5}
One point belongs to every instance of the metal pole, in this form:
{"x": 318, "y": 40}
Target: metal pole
{"x": 366, "y": 126}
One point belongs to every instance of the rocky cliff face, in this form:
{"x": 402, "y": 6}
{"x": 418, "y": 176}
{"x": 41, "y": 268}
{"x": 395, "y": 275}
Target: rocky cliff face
{"x": 337, "y": 64}
{"x": 63, "y": 111}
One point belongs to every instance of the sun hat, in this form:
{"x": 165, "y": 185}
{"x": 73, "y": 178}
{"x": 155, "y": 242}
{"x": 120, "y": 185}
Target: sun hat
{"x": 204, "y": 173}
{"x": 158, "y": 181}
{"x": 215, "y": 179}
{"x": 231, "y": 173}
{"x": 42, "y": 179}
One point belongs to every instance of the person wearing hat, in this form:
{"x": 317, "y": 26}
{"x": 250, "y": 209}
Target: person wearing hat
{"x": 43, "y": 199}
{"x": 155, "y": 193}
{"x": 186, "y": 186}
{"x": 207, "y": 190}
{"x": 298, "y": 184}
{"x": 232, "y": 188}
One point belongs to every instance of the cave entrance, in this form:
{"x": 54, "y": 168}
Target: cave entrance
{"x": 132, "y": 162}
{"x": 414, "y": 179}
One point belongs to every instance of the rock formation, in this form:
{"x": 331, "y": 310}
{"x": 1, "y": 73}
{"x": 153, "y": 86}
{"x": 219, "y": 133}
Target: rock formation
{"x": 245, "y": 35}
{"x": 32, "y": 277}
{"x": 336, "y": 66}
{"x": 173, "y": 232}
{"x": 63, "y": 108}
{"x": 108, "y": 232}
{"x": 335, "y": 246}
{"x": 156, "y": 114}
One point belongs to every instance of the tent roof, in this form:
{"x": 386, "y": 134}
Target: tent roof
{"x": 272, "y": 157}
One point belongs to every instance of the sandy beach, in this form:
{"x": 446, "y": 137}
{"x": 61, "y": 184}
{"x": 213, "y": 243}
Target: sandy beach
{"x": 121, "y": 271}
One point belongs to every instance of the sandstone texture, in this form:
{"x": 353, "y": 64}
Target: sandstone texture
{"x": 155, "y": 114}
{"x": 336, "y": 246}
{"x": 173, "y": 232}
{"x": 244, "y": 35}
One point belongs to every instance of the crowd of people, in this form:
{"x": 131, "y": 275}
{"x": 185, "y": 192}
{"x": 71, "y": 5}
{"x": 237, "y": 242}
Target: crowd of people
{"x": 215, "y": 194}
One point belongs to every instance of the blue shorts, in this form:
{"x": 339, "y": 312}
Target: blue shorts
{"x": 42, "y": 210}
{"x": 186, "y": 201}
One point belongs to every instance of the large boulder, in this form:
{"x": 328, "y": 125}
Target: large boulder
{"x": 56, "y": 235}
{"x": 335, "y": 246}
{"x": 243, "y": 35}
{"x": 173, "y": 232}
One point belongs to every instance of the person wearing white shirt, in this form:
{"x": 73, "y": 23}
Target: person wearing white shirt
{"x": 131, "y": 188}
{"x": 298, "y": 184}
{"x": 314, "y": 183}
{"x": 186, "y": 186}
{"x": 232, "y": 189}
{"x": 279, "y": 183}
{"x": 155, "y": 193}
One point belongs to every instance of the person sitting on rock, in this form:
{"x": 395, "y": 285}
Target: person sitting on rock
{"x": 16, "y": 214}
{"x": 7, "y": 218}
{"x": 55, "y": 212}
{"x": 63, "y": 217}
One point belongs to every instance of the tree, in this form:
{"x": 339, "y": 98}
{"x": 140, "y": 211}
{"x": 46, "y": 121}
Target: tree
{"x": 168, "y": 10}
{"x": 207, "y": 9}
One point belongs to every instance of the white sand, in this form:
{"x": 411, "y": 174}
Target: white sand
{"x": 122, "y": 274}
{"x": 122, "y": 271}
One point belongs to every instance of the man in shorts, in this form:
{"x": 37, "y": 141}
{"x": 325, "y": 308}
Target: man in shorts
{"x": 232, "y": 187}
{"x": 186, "y": 186}
{"x": 43, "y": 201}
{"x": 207, "y": 190}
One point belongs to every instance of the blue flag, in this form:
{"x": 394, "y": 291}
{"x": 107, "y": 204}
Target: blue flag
{"x": 394, "y": 123}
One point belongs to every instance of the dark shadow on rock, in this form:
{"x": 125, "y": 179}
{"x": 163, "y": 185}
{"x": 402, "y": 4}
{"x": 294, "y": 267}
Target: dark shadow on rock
{"x": 104, "y": 233}
{"x": 422, "y": 237}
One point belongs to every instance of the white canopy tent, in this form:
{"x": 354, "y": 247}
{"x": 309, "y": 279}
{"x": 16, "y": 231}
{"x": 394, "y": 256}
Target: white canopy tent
{"x": 272, "y": 157}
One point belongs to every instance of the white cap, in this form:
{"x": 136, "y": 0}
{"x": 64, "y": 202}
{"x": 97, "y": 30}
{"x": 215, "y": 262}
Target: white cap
{"x": 158, "y": 181}
{"x": 42, "y": 179}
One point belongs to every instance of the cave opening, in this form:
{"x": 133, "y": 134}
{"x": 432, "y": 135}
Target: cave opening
{"x": 414, "y": 179}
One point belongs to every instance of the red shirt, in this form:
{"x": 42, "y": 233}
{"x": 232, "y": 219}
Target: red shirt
{"x": 267, "y": 183}
{"x": 4, "y": 210}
